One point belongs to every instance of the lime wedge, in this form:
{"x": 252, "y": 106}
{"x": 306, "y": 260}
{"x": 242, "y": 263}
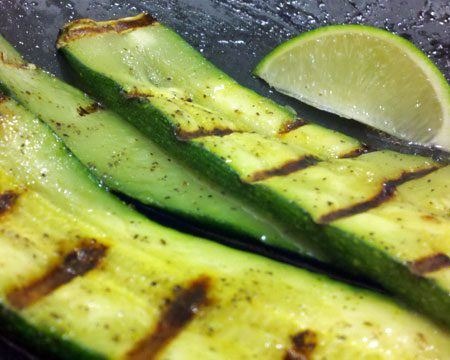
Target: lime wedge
{"x": 366, "y": 74}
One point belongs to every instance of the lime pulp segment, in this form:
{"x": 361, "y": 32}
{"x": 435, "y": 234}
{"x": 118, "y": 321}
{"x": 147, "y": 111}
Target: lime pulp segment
{"x": 366, "y": 74}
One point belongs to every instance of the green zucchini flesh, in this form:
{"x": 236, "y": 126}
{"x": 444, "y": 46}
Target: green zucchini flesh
{"x": 84, "y": 276}
{"x": 362, "y": 210}
{"x": 125, "y": 160}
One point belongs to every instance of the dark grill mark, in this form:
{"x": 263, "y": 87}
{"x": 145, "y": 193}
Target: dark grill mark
{"x": 76, "y": 263}
{"x": 355, "y": 153}
{"x": 181, "y": 134}
{"x": 201, "y": 132}
{"x": 178, "y": 313}
{"x": 285, "y": 169}
{"x": 7, "y": 201}
{"x": 429, "y": 264}
{"x": 295, "y": 124}
{"x": 137, "y": 95}
{"x": 14, "y": 63}
{"x": 387, "y": 191}
{"x": 92, "y": 108}
{"x": 87, "y": 27}
{"x": 303, "y": 344}
{"x": 2, "y": 97}
{"x": 135, "y": 22}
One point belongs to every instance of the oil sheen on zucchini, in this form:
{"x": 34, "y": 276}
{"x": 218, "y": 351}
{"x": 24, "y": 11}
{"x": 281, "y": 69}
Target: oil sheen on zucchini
{"x": 84, "y": 276}
{"x": 124, "y": 159}
{"x": 382, "y": 214}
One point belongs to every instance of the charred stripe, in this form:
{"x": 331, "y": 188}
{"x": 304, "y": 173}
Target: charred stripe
{"x": 285, "y": 169}
{"x": 92, "y": 108}
{"x": 87, "y": 27}
{"x": 76, "y": 263}
{"x": 178, "y": 313}
{"x": 355, "y": 153}
{"x": 387, "y": 191}
{"x": 429, "y": 264}
{"x": 292, "y": 125}
{"x": 3, "y": 97}
{"x": 201, "y": 132}
{"x": 303, "y": 345}
{"x": 7, "y": 200}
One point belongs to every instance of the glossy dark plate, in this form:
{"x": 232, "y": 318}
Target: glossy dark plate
{"x": 234, "y": 35}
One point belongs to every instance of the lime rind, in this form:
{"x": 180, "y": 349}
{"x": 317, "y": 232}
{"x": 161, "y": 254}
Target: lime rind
{"x": 434, "y": 76}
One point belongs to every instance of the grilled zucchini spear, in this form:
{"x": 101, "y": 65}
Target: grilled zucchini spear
{"x": 382, "y": 214}
{"x": 84, "y": 276}
{"x": 124, "y": 159}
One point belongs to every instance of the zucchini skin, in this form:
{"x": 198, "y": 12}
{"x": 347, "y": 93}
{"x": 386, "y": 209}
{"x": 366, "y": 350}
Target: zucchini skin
{"x": 132, "y": 109}
{"x": 254, "y": 304}
{"x": 43, "y": 341}
{"x": 328, "y": 241}
{"x": 402, "y": 283}
{"x": 320, "y": 240}
{"x": 199, "y": 201}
